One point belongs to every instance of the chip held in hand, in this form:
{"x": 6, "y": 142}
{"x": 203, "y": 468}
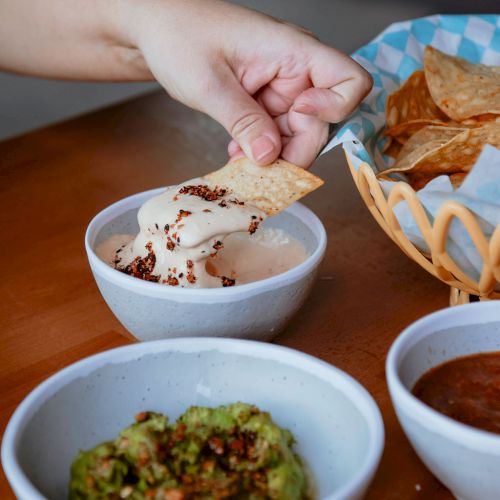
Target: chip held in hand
{"x": 271, "y": 188}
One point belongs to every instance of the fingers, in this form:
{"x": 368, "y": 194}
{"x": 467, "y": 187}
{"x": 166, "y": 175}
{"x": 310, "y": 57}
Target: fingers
{"x": 234, "y": 151}
{"x": 339, "y": 84}
{"x": 244, "y": 118}
{"x": 279, "y": 95}
{"x": 330, "y": 105}
{"x": 303, "y": 137}
{"x": 302, "y": 97}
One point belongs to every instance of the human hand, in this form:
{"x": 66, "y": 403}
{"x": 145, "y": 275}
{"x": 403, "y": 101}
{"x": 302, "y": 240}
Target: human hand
{"x": 273, "y": 86}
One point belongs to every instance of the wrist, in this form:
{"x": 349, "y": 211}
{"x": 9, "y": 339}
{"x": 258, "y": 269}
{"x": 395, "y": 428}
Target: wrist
{"x": 124, "y": 24}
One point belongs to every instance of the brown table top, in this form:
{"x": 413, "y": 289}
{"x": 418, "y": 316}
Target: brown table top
{"x": 53, "y": 181}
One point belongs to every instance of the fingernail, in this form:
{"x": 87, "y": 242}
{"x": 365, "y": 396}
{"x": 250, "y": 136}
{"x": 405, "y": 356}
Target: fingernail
{"x": 261, "y": 147}
{"x": 305, "y": 109}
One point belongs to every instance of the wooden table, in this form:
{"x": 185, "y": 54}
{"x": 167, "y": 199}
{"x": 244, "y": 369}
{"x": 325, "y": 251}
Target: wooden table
{"x": 53, "y": 181}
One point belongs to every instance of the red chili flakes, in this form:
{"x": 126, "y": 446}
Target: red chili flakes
{"x": 254, "y": 224}
{"x": 236, "y": 202}
{"x": 187, "y": 479}
{"x": 173, "y": 494}
{"x": 179, "y": 433}
{"x": 170, "y": 244}
{"x": 143, "y": 456}
{"x": 166, "y": 228}
{"x": 216, "y": 246}
{"x": 216, "y": 445}
{"x": 171, "y": 280}
{"x": 227, "y": 281}
{"x": 237, "y": 446}
{"x": 142, "y": 267}
{"x": 207, "y": 210}
{"x": 203, "y": 191}
{"x": 190, "y": 275}
{"x": 182, "y": 214}
{"x": 142, "y": 416}
{"x": 208, "y": 465}
{"x": 223, "y": 203}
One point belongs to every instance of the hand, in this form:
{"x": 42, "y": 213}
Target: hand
{"x": 273, "y": 86}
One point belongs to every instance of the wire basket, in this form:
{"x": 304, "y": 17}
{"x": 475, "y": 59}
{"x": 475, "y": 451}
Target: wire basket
{"x": 438, "y": 262}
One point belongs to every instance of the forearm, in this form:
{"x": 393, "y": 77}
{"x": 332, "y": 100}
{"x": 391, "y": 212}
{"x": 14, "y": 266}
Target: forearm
{"x": 74, "y": 39}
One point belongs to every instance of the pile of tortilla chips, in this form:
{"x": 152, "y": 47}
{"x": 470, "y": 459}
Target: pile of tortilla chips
{"x": 440, "y": 119}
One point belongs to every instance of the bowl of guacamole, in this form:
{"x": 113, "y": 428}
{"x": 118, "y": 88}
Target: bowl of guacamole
{"x": 230, "y": 451}
{"x": 195, "y": 418}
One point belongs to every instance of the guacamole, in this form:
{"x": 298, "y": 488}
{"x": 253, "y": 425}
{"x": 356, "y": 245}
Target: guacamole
{"x": 234, "y": 451}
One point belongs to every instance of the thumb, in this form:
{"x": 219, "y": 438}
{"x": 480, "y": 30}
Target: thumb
{"x": 245, "y": 119}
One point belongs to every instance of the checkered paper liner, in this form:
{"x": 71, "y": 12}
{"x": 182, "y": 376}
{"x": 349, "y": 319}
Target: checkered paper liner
{"x": 391, "y": 58}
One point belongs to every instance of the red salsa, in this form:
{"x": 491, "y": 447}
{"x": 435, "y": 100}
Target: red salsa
{"x": 466, "y": 389}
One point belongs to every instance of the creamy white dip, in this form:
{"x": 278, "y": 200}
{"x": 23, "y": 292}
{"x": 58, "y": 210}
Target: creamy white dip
{"x": 193, "y": 236}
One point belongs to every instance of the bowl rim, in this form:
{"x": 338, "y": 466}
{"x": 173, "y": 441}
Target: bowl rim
{"x": 157, "y": 290}
{"x": 462, "y": 315}
{"x": 341, "y": 380}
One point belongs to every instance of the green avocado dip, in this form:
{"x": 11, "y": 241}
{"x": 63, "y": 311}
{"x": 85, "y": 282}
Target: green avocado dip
{"x": 234, "y": 451}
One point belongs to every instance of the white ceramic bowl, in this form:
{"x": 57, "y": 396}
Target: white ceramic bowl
{"x": 465, "y": 459}
{"x": 337, "y": 425}
{"x": 258, "y": 310}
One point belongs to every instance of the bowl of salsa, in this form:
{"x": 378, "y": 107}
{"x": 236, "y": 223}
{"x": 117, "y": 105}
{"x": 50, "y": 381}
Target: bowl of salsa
{"x": 443, "y": 373}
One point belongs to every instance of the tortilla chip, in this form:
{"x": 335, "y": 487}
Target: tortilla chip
{"x": 477, "y": 121}
{"x": 459, "y": 88}
{"x": 428, "y": 134}
{"x": 418, "y": 182}
{"x": 393, "y": 150}
{"x": 412, "y": 101}
{"x": 456, "y": 155}
{"x": 271, "y": 188}
{"x": 457, "y": 179}
{"x": 424, "y": 141}
{"x": 403, "y": 131}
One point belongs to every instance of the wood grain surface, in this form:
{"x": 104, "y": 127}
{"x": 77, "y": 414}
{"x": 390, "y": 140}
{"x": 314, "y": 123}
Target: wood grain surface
{"x": 53, "y": 181}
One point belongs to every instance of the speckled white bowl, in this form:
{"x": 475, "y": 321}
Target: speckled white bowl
{"x": 258, "y": 310}
{"x": 336, "y": 423}
{"x": 465, "y": 459}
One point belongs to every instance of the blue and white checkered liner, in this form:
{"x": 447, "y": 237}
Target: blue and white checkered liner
{"x": 391, "y": 58}
{"x": 395, "y": 54}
